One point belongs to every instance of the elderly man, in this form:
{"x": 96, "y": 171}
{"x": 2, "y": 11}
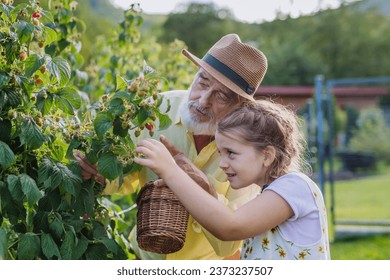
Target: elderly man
{"x": 228, "y": 76}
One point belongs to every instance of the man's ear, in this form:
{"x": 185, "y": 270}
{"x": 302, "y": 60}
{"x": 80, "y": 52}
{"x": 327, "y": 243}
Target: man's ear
{"x": 269, "y": 155}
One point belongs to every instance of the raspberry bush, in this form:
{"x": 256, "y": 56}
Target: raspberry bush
{"x": 46, "y": 210}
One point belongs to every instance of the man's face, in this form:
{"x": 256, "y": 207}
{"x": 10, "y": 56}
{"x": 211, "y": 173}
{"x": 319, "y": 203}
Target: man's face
{"x": 208, "y": 102}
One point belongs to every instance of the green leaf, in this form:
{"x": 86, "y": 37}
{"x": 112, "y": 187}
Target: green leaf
{"x": 49, "y": 247}
{"x": 55, "y": 178}
{"x": 41, "y": 221}
{"x": 44, "y": 102}
{"x": 9, "y": 97}
{"x": 99, "y": 232}
{"x": 130, "y": 168}
{"x": 26, "y": 84}
{"x": 121, "y": 83}
{"x": 31, "y": 134}
{"x": 164, "y": 120}
{"x": 58, "y": 149}
{"x": 118, "y": 129}
{"x": 74, "y": 144}
{"x": 3, "y": 244}
{"x": 25, "y": 32}
{"x": 59, "y": 68}
{"x": 108, "y": 166}
{"x": 5, "y": 128}
{"x": 14, "y": 187}
{"x": 4, "y": 79}
{"x": 116, "y": 107}
{"x": 143, "y": 115}
{"x": 68, "y": 100}
{"x": 30, "y": 189}
{"x": 29, "y": 246}
{"x": 96, "y": 252}
{"x": 7, "y": 157}
{"x": 80, "y": 248}
{"x": 5, "y": 10}
{"x": 69, "y": 180}
{"x": 14, "y": 209}
{"x": 85, "y": 201}
{"x": 32, "y": 64}
{"x": 62, "y": 44}
{"x": 11, "y": 51}
{"x": 47, "y": 15}
{"x": 3, "y": 100}
{"x": 102, "y": 123}
{"x": 51, "y": 201}
{"x": 111, "y": 245}
{"x": 16, "y": 11}
{"x": 44, "y": 170}
{"x": 14, "y": 98}
{"x": 67, "y": 245}
{"x": 56, "y": 227}
{"x": 123, "y": 94}
{"x": 51, "y": 35}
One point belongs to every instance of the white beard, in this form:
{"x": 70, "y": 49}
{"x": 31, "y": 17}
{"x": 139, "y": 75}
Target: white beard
{"x": 193, "y": 125}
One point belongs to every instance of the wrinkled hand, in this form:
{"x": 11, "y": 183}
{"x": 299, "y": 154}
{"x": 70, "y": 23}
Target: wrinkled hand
{"x": 184, "y": 163}
{"x": 88, "y": 170}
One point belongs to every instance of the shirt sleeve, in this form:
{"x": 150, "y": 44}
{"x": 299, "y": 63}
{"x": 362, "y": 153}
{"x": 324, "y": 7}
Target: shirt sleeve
{"x": 129, "y": 185}
{"x": 232, "y": 200}
{"x": 296, "y": 192}
{"x": 222, "y": 248}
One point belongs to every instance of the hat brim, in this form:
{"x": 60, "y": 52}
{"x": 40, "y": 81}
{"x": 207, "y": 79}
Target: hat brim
{"x": 217, "y": 75}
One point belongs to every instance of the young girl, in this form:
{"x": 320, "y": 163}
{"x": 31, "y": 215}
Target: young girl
{"x": 258, "y": 144}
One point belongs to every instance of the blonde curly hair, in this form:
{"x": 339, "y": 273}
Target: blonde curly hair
{"x": 265, "y": 123}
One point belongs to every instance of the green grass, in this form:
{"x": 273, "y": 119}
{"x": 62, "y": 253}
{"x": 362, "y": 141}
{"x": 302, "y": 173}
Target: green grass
{"x": 365, "y": 198}
{"x": 375, "y": 247}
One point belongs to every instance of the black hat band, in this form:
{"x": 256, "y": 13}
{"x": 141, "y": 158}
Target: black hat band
{"x": 229, "y": 73}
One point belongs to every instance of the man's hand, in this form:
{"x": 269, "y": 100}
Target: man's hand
{"x": 195, "y": 173}
{"x": 88, "y": 170}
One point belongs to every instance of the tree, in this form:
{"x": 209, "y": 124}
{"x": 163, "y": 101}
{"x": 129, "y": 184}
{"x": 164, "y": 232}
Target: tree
{"x": 198, "y": 25}
{"x": 350, "y": 42}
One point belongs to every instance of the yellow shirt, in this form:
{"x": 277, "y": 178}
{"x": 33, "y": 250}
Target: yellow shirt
{"x": 199, "y": 243}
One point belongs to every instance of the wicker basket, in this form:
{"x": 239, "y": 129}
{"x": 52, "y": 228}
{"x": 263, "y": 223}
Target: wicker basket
{"x": 161, "y": 220}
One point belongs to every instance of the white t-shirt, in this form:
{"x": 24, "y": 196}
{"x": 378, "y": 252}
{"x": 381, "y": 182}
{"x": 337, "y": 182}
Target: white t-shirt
{"x": 304, "y": 226}
{"x": 304, "y": 236}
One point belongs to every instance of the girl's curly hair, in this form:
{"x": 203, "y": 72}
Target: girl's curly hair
{"x": 264, "y": 123}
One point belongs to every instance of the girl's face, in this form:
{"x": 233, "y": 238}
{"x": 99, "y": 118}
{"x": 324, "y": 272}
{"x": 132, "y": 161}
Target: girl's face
{"x": 242, "y": 163}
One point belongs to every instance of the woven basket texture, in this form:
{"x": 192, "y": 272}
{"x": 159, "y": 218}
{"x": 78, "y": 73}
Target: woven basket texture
{"x": 161, "y": 220}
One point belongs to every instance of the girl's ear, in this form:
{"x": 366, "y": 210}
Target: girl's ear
{"x": 269, "y": 155}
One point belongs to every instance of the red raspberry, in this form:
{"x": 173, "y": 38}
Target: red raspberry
{"x": 23, "y": 56}
{"x": 36, "y": 15}
{"x": 149, "y": 126}
{"x": 38, "y": 81}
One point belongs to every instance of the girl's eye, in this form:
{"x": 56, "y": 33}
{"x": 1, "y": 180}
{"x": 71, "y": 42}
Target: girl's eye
{"x": 231, "y": 154}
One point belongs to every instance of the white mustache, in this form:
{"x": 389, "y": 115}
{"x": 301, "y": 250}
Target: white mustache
{"x": 200, "y": 108}
{"x": 194, "y": 125}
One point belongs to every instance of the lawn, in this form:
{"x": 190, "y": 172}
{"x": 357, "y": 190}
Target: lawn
{"x": 364, "y": 198}
{"x": 375, "y": 247}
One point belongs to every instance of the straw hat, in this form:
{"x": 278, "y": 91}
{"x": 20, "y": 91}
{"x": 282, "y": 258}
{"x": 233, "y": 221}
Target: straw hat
{"x": 234, "y": 64}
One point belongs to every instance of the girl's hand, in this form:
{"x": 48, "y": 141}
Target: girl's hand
{"x": 156, "y": 157}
